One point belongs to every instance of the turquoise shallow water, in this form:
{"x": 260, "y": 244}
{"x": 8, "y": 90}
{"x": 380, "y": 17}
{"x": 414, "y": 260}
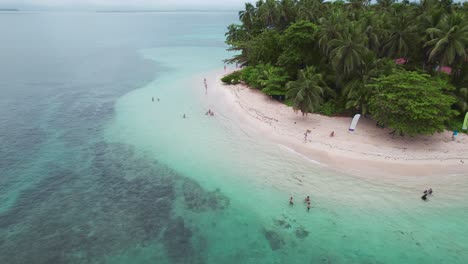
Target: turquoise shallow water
{"x": 92, "y": 171}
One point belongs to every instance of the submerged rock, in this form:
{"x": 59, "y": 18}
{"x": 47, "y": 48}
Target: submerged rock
{"x": 199, "y": 200}
{"x": 177, "y": 242}
{"x": 302, "y": 233}
{"x": 275, "y": 240}
{"x": 282, "y": 223}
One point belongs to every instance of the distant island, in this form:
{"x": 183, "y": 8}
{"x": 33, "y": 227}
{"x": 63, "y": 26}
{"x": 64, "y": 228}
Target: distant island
{"x": 9, "y": 10}
{"x": 404, "y": 64}
{"x": 161, "y": 11}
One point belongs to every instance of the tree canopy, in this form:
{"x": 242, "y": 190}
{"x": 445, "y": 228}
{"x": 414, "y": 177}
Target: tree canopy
{"x": 411, "y": 103}
{"x": 351, "y": 45}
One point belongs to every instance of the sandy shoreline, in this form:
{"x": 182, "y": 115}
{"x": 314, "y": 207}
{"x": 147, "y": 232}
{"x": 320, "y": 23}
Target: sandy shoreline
{"x": 367, "y": 151}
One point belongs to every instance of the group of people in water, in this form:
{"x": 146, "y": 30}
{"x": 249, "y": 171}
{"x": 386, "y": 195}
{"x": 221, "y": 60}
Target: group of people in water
{"x": 306, "y": 200}
{"x": 426, "y": 193}
{"x": 210, "y": 113}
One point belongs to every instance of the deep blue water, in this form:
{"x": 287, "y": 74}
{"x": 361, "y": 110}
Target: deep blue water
{"x": 65, "y": 196}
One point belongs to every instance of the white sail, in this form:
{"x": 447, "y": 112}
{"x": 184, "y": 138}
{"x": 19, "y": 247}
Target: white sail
{"x": 353, "y": 125}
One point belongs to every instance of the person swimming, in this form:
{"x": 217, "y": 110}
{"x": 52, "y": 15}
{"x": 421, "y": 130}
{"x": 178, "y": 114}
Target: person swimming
{"x": 424, "y": 197}
{"x": 291, "y": 203}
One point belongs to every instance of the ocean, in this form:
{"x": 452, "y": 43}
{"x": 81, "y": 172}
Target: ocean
{"x": 93, "y": 171}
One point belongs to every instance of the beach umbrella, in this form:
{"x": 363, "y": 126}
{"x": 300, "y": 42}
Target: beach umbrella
{"x": 353, "y": 125}
{"x": 465, "y": 124}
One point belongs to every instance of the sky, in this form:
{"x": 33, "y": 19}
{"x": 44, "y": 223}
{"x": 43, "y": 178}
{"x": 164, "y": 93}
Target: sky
{"x": 122, "y": 4}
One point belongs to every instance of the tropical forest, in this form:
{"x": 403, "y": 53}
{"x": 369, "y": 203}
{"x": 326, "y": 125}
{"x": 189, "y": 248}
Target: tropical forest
{"x": 404, "y": 64}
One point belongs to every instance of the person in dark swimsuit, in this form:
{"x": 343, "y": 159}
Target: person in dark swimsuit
{"x": 424, "y": 197}
{"x": 291, "y": 203}
{"x": 308, "y": 206}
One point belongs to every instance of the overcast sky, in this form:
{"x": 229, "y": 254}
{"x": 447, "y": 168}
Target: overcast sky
{"x": 122, "y": 4}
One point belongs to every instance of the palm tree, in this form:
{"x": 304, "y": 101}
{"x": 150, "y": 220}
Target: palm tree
{"x": 287, "y": 13}
{"x": 310, "y": 10}
{"x": 385, "y": 4}
{"x": 449, "y": 40}
{"x": 400, "y": 38}
{"x": 330, "y": 28}
{"x": 356, "y": 93}
{"x": 306, "y": 93}
{"x": 269, "y": 13}
{"x": 247, "y": 16}
{"x": 347, "y": 55}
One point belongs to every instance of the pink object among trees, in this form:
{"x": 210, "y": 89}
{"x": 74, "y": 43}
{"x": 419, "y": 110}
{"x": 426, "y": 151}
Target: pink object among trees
{"x": 400, "y": 61}
{"x": 446, "y": 69}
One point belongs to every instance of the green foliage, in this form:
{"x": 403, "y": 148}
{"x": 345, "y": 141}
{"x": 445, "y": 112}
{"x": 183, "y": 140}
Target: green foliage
{"x": 298, "y": 41}
{"x": 411, "y": 103}
{"x": 308, "y": 91}
{"x": 329, "y": 109}
{"x": 232, "y": 78}
{"x": 263, "y": 49}
{"x": 250, "y": 75}
{"x": 349, "y": 44}
{"x": 272, "y": 80}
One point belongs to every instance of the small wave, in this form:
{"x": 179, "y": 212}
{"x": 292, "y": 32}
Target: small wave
{"x": 302, "y": 156}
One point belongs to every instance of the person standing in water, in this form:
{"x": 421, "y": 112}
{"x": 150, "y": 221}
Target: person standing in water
{"x": 424, "y": 197}
{"x": 291, "y": 203}
{"x": 152, "y": 99}
{"x": 308, "y": 206}
{"x": 183, "y": 116}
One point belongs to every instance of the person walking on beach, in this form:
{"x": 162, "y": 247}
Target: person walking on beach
{"x": 206, "y": 86}
{"x": 225, "y": 67}
{"x": 291, "y": 203}
{"x": 305, "y": 137}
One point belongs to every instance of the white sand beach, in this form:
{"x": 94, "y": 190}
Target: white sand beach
{"x": 368, "y": 151}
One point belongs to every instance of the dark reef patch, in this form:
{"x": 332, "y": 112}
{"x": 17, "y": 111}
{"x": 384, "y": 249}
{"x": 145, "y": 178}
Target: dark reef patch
{"x": 302, "y": 233}
{"x": 177, "y": 242}
{"x": 120, "y": 200}
{"x": 282, "y": 223}
{"x": 198, "y": 200}
{"x": 275, "y": 240}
